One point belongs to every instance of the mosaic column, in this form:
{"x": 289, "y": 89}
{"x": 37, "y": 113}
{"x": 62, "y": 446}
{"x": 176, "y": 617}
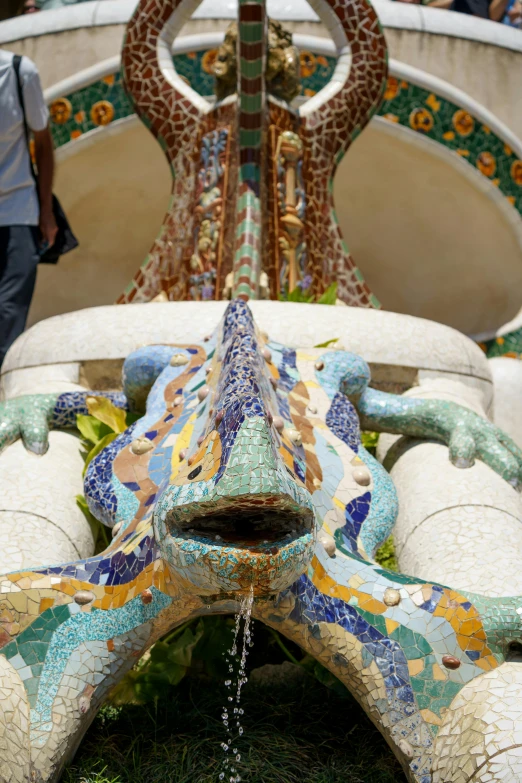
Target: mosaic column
{"x": 251, "y": 134}
{"x": 330, "y": 122}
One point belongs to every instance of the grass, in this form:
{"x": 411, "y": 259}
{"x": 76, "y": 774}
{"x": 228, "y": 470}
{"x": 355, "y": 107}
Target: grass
{"x": 295, "y": 733}
{"x": 299, "y": 731}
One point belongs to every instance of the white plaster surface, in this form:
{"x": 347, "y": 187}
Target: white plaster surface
{"x": 55, "y": 378}
{"x": 112, "y": 332}
{"x": 507, "y": 379}
{"x": 461, "y": 527}
{"x": 39, "y": 518}
{"x": 100, "y": 13}
{"x": 480, "y": 740}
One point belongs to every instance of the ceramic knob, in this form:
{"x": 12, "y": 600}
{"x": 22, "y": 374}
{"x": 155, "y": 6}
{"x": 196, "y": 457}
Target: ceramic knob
{"x": 362, "y": 476}
{"x": 203, "y": 393}
{"x": 450, "y": 662}
{"x": 328, "y": 544}
{"x": 179, "y": 359}
{"x": 392, "y": 597}
{"x": 84, "y": 597}
{"x": 146, "y": 596}
{"x": 141, "y": 445}
{"x": 279, "y": 423}
{"x": 295, "y": 436}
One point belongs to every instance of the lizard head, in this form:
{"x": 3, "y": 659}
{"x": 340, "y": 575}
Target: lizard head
{"x": 236, "y": 514}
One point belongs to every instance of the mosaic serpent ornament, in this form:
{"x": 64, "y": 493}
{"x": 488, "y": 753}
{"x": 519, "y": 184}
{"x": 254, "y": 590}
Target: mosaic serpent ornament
{"x": 252, "y": 176}
{"x": 246, "y": 472}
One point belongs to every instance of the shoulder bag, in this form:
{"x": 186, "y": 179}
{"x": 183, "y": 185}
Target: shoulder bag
{"x": 65, "y": 239}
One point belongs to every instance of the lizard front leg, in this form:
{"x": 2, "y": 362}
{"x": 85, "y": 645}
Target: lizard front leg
{"x": 467, "y": 435}
{"x": 31, "y": 416}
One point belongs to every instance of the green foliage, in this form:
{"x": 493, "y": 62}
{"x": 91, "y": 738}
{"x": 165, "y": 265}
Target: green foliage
{"x": 103, "y": 424}
{"x": 369, "y": 441}
{"x": 386, "y": 557}
{"x": 294, "y": 733}
{"x": 330, "y": 295}
{"x": 299, "y": 295}
{"x": 327, "y": 343}
{"x": 165, "y": 665}
{"x": 102, "y": 409}
{"x": 91, "y": 428}
{"x": 324, "y": 676}
{"x": 197, "y": 650}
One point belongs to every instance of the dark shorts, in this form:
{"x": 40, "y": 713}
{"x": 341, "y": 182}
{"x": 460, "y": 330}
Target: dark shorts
{"x": 18, "y": 261}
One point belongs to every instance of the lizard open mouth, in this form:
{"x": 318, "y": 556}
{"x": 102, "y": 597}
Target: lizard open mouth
{"x": 236, "y": 543}
{"x": 247, "y": 525}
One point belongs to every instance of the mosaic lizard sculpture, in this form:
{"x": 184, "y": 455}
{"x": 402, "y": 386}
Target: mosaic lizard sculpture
{"x": 246, "y": 471}
{"x": 251, "y": 164}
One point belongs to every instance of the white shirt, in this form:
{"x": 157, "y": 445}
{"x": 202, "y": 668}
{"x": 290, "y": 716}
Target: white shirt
{"x": 18, "y": 198}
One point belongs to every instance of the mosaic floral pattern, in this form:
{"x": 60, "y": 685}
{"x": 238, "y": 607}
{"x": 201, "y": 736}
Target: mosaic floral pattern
{"x": 446, "y": 123}
{"x": 74, "y": 115}
{"x": 193, "y": 67}
{"x": 246, "y": 471}
{"x": 404, "y": 103}
{"x": 509, "y": 345}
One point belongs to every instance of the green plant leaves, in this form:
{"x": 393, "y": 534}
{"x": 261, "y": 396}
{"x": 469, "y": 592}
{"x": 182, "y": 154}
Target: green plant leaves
{"x": 298, "y": 295}
{"x": 324, "y": 676}
{"x": 330, "y": 295}
{"x": 386, "y": 556}
{"x": 369, "y": 441}
{"x": 99, "y": 447}
{"x": 327, "y": 343}
{"x": 103, "y": 410}
{"x": 92, "y": 429}
{"x": 166, "y": 665}
{"x": 209, "y": 659}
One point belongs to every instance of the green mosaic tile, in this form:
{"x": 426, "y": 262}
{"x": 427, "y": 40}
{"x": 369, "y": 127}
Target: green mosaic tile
{"x": 91, "y": 107}
{"x": 509, "y": 345}
{"x": 446, "y": 123}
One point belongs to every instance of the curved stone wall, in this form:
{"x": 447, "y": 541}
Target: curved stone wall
{"x": 454, "y": 47}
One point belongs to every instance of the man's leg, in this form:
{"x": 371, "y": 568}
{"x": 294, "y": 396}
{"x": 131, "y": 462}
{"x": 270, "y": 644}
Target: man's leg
{"x": 18, "y": 262}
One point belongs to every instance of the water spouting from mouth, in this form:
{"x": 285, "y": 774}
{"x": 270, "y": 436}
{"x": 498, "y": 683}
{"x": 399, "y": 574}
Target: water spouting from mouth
{"x": 236, "y": 678}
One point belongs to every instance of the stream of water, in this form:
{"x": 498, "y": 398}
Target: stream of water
{"x": 232, "y": 711}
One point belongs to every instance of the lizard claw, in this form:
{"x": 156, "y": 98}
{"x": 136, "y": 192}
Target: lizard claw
{"x": 474, "y": 437}
{"x": 27, "y": 417}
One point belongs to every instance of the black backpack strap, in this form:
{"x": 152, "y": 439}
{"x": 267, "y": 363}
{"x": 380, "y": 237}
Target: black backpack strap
{"x": 17, "y": 61}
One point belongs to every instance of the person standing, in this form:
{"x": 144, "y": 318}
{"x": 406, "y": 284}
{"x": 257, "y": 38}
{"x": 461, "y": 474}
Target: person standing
{"x": 27, "y": 222}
